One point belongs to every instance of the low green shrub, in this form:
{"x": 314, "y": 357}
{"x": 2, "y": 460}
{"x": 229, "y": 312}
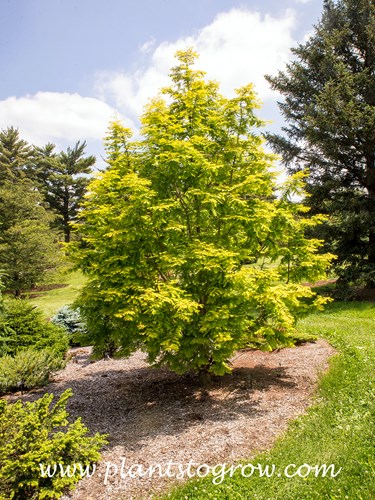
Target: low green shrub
{"x": 30, "y": 347}
{"x": 35, "y": 435}
{"x": 70, "y": 319}
{"x": 27, "y": 369}
{"x": 26, "y": 327}
{"x": 7, "y": 375}
{"x": 5, "y": 331}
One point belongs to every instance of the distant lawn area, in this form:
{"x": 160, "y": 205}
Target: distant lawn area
{"x": 51, "y": 300}
{"x": 338, "y": 429}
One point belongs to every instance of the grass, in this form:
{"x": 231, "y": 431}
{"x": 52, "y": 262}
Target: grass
{"x": 50, "y": 301}
{"x": 338, "y": 429}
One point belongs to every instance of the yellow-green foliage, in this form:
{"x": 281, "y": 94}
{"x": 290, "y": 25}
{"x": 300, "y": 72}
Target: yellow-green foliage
{"x": 176, "y": 229}
{"x": 38, "y": 433}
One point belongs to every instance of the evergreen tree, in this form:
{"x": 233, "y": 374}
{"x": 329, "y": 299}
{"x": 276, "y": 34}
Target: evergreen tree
{"x": 28, "y": 247}
{"x": 329, "y": 108}
{"x": 178, "y": 233}
{"x": 15, "y": 155}
{"x": 63, "y": 179}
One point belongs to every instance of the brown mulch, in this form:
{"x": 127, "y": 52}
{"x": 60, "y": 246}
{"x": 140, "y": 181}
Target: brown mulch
{"x": 321, "y": 283}
{"x": 153, "y": 416}
{"x": 365, "y": 294}
{"x": 36, "y": 291}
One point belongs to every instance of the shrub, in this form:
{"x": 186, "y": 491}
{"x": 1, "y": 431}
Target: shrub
{"x": 70, "y": 319}
{"x": 4, "y": 329}
{"x": 27, "y": 328}
{"x": 38, "y": 433}
{"x": 7, "y": 377}
{"x": 27, "y": 369}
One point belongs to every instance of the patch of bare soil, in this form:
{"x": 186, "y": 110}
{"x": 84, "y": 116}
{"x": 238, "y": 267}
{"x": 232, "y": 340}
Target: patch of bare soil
{"x": 154, "y": 417}
{"x": 37, "y": 291}
{"x": 365, "y": 294}
{"x": 321, "y": 283}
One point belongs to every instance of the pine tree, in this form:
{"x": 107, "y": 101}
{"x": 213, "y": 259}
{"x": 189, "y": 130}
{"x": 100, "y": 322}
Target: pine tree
{"x": 329, "y": 109}
{"x": 28, "y": 248}
{"x": 63, "y": 178}
{"x": 15, "y": 155}
{"x": 179, "y": 231}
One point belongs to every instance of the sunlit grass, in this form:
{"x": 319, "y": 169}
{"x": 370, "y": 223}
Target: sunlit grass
{"x": 52, "y": 300}
{"x": 338, "y": 429}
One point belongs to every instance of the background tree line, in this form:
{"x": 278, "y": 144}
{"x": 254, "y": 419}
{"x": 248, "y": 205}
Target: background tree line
{"x": 40, "y": 195}
{"x": 329, "y": 112}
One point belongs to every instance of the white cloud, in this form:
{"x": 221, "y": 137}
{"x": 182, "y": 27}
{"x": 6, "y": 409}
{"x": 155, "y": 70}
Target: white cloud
{"x": 147, "y": 46}
{"x": 238, "y": 47}
{"x": 56, "y": 117}
{"x": 307, "y": 36}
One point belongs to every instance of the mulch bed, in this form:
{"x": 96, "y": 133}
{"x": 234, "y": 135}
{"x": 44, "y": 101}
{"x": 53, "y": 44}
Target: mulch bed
{"x": 153, "y": 416}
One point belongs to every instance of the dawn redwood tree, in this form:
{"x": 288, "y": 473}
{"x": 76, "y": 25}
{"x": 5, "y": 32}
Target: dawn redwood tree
{"x": 63, "y": 179}
{"x": 179, "y": 231}
{"x": 329, "y": 109}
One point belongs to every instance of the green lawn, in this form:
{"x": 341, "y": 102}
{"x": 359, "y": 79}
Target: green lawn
{"x": 338, "y": 429}
{"x": 51, "y": 300}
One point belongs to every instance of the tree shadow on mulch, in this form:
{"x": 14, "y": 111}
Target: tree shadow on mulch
{"x": 132, "y": 405}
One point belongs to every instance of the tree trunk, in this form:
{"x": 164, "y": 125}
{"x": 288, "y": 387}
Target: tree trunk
{"x": 370, "y": 184}
{"x": 66, "y": 216}
{"x": 371, "y": 257}
{"x": 205, "y": 377}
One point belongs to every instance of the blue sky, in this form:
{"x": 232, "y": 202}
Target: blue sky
{"x": 70, "y": 66}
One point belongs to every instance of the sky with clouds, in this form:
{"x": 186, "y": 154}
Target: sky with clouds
{"x": 70, "y": 66}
